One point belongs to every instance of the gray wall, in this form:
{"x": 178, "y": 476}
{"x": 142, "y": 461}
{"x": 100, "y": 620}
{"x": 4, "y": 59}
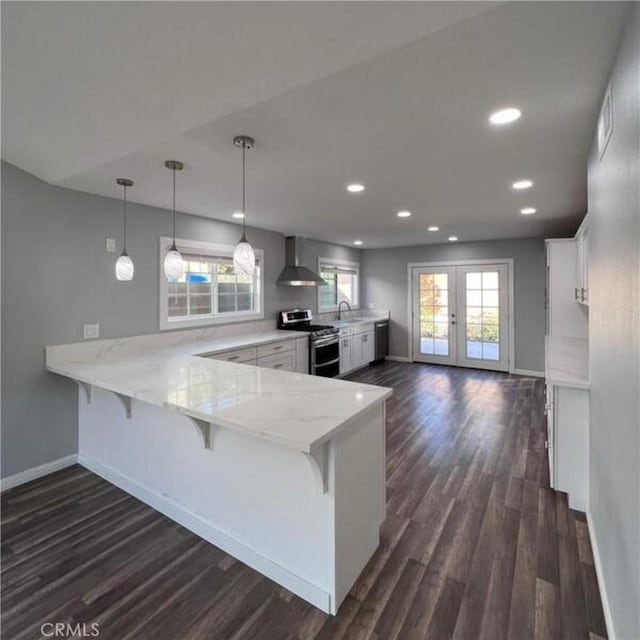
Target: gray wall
{"x": 614, "y": 338}
{"x": 385, "y": 285}
{"x": 57, "y": 275}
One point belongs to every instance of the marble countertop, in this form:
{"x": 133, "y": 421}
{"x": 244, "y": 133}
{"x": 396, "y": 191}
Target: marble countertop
{"x": 292, "y": 409}
{"x": 567, "y": 362}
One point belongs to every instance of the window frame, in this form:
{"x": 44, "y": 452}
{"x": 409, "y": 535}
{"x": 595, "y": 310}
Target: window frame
{"x": 339, "y": 262}
{"x": 208, "y": 249}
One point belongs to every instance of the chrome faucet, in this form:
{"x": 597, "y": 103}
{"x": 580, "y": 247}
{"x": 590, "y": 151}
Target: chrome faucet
{"x": 340, "y": 308}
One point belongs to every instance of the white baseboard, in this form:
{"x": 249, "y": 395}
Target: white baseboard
{"x": 398, "y": 358}
{"x": 37, "y": 472}
{"x": 528, "y": 372}
{"x": 203, "y": 528}
{"x": 606, "y": 608}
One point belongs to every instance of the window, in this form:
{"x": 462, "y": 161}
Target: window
{"x": 342, "y": 278}
{"x": 209, "y": 292}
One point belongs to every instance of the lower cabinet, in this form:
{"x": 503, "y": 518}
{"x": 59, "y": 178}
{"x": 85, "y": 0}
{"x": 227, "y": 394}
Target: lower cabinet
{"x": 289, "y": 355}
{"x": 356, "y": 350}
{"x": 567, "y": 410}
{"x": 346, "y": 352}
{"x": 285, "y": 361}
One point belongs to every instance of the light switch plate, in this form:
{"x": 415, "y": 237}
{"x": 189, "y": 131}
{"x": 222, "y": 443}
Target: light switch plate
{"x": 111, "y": 245}
{"x": 90, "y": 331}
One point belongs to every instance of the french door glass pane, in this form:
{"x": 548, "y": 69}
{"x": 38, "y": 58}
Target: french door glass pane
{"x": 482, "y": 333}
{"x": 434, "y": 314}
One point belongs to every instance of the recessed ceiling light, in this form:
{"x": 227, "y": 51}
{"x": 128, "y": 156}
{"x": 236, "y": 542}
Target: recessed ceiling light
{"x": 404, "y": 214}
{"x": 505, "y": 116}
{"x": 238, "y": 214}
{"x": 355, "y": 187}
{"x": 434, "y": 228}
{"x": 357, "y": 242}
{"x": 527, "y": 211}
{"x": 453, "y": 238}
{"x": 522, "y": 184}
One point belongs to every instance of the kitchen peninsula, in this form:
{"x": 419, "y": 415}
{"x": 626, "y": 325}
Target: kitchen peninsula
{"x": 283, "y": 470}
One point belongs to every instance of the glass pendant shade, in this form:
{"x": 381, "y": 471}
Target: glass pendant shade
{"x": 173, "y": 264}
{"x": 124, "y": 264}
{"x": 244, "y": 259}
{"x": 124, "y": 268}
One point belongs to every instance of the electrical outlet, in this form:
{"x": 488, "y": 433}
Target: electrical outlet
{"x": 90, "y": 331}
{"x": 111, "y": 245}
{"x": 371, "y": 305}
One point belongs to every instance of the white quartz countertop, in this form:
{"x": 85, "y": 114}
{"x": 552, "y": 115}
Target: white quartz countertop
{"x": 292, "y": 409}
{"x": 567, "y": 362}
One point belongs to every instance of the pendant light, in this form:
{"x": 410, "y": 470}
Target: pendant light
{"x": 124, "y": 264}
{"x": 244, "y": 259}
{"x": 173, "y": 262}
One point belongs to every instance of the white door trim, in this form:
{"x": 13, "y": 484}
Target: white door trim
{"x": 462, "y": 263}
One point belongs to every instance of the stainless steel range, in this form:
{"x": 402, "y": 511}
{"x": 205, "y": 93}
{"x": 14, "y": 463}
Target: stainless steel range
{"x": 324, "y": 341}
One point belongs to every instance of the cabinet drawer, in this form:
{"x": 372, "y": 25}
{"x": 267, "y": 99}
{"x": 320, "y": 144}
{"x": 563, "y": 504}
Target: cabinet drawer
{"x": 239, "y": 355}
{"x": 275, "y": 348}
{"x": 363, "y": 328}
{"x": 282, "y": 361}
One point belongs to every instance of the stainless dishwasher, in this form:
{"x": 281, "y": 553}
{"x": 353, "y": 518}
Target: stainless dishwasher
{"x": 382, "y": 339}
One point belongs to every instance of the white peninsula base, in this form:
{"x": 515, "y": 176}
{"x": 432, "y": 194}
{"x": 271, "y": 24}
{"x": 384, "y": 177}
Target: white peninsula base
{"x": 310, "y": 522}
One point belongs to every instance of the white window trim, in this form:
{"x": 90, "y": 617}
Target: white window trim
{"x": 341, "y": 263}
{"x": 205, "y": 248}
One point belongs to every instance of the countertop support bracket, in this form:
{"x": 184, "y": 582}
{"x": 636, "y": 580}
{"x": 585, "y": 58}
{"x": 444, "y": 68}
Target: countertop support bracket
{"x": 127, "y": 402}
{"x": 319, "y": 460}
{"x": 88, "y": 389}
{"x": 205, "y": 430}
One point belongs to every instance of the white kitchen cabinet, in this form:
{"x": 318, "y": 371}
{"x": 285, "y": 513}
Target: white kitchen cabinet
{"x": 567, "y": 412}
{"x": 346, "y": 354}
{"x": 582, "y": 264}
{"x": 302, "y": 355}
{"x": 564, "y": 317}
{"x": 284, "y": 361}
{"x": 288, "y": 355}
{"x": 362, "y": 349}
{"x": 357, "y": 347}
{"x": 239, "y": 356}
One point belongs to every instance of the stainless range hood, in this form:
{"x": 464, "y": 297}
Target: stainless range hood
{"x": 293, "y": 274}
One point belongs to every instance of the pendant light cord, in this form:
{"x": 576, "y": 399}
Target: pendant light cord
{"x": 244, "y": 198}
{"x": 124, "y": 206}
{"x": 174, "y": 208}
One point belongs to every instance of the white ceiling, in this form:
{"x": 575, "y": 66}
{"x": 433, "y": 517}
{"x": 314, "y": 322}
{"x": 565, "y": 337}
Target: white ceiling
{"x": 392, "y": 94}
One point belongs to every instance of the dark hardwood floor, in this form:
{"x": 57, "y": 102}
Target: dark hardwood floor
{"x": 475, "y": 546}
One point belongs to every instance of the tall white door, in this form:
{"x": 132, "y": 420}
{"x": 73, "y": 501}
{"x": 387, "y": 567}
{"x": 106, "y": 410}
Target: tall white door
{"x": 460, "y": 315}
{"x": 434, "y": 302}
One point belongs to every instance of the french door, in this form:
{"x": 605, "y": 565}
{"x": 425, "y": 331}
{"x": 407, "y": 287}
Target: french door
{"x": 460, "y": 315}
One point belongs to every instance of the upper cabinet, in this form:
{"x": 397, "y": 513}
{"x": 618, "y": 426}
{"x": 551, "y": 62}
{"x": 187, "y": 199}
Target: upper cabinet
{"x": 565, "y": 318}
{"x": 581, "y": 290}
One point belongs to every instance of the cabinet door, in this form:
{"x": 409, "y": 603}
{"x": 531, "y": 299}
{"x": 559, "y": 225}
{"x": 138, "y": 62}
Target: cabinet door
{"x": 585, "y": 268}
{"x": 549, "y": 443}
{"x": 302, "y": 355}
{"x": 346, "y": 358}
{"x": 368, "y": 347}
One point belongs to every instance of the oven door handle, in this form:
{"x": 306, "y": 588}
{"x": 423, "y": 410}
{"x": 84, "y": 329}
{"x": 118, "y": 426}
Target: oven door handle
{"x": 326, "y": 364}
{"x": 324, "y": 342}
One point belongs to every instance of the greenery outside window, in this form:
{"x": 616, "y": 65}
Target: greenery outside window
{"x": 343, "y": 283}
